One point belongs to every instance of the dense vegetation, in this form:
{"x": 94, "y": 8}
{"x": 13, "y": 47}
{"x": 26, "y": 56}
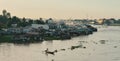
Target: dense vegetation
{"x": 6, "y": 20}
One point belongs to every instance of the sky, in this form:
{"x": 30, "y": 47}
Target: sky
{"x": 62, "y": 9}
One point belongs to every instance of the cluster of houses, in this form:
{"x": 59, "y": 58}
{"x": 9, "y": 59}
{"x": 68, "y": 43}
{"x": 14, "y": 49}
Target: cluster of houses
{"x": 53, "y": 30}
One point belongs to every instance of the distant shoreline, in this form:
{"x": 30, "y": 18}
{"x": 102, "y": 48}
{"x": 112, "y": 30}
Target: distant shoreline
{"x": 114, "y": 25}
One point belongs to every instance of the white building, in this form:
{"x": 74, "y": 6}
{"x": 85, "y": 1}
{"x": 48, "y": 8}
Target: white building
{"x": 27, "y": 29}
{"x": 15, "y": 30}
{"x": 40, "y": 25}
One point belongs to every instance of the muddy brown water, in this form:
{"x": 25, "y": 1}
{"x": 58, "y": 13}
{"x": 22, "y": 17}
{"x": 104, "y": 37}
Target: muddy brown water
{"x": 108, "y": 50}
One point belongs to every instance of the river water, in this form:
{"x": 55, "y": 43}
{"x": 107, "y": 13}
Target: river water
{"x": 103, "y": 45}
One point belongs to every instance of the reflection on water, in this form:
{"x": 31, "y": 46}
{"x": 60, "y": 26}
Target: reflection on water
{"x": 100, "y": 46}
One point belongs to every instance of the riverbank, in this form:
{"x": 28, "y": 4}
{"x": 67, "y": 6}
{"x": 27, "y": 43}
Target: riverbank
{"x": 6, "y": 38}
{"x": 38, "y": 35}
{"x": 114, "y": 25}
{"x": 9, "y": 39}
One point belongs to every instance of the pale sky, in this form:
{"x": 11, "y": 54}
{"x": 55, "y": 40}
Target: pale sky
{"x": 62, "y": 9}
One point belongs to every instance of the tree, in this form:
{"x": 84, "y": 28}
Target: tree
{"x": 49, "y": 20}
{"x": 36, "y": 21}
{"x": 23, "y": 23}
{"x": 8, "y": 15}
{"x": 9, "y": 22}
{"x": 3, "y": 18}
{"x": 30, "y": 21}
{"x": 15, "y": 20}
{"x": 41, "y": 21}
{"x": 24, "y": 19}
{"x": 4, "y": 12}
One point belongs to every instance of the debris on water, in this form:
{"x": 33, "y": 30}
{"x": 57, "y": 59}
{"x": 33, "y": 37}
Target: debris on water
{"x": 52, "y": 60}
{"x": 84, "y": 47}
{"x": 115, "y": 46}
{"x": 74, "y": 47}
{"x": 62, "y": 49}
{"x": 102, "y": 41}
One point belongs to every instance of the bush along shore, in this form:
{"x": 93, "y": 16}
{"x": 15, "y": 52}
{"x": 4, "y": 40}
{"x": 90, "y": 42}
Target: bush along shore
{"x": 40, "y": 34}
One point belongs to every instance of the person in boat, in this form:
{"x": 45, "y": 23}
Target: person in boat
{"x": 49, "y": 52}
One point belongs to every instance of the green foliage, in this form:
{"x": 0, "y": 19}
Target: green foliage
{"x": 6, "y": 38}
{"x": 39, "y": 21}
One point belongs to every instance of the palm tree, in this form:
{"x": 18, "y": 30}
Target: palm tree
{"x": 4, "y": 12}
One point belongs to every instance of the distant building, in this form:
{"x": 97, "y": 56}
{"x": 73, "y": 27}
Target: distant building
{"x": 14, "y": 25}
{"x": 100, "y": 21}
{"x": 15, "y": 30}
{"x": 27, "y": 29}
{"x": 44, "y": 26}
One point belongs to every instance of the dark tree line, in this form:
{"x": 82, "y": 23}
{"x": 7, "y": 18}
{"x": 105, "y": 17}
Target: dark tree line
{"x": 6, "y": 20}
